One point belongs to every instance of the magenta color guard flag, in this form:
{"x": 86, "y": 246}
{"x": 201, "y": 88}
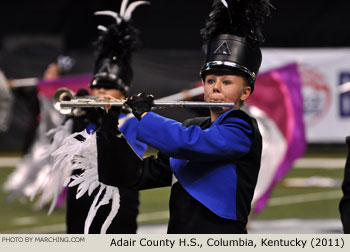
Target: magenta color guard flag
{"x": 278, "y": 106}
{"x": 48, "y": 88}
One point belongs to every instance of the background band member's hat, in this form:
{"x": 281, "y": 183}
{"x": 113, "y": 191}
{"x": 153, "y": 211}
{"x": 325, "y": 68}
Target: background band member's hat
{"x": 113, "y": 50}
{"x": 232, "y": 36}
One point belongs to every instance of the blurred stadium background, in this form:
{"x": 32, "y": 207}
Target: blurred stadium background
{"x": 314, "y": 34}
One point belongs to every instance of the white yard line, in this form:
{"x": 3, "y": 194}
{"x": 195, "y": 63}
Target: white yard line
{"x": 21, "y": 221}
{"x": 295, "y": 226}
{"x": 9, "y": 161}
{"x": 326, "y": 163}
{"x": 302, "y": 198}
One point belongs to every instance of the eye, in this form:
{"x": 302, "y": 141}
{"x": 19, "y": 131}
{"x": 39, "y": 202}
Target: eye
{"x": 210, "y": 81}
{"x": 227, "y": 82}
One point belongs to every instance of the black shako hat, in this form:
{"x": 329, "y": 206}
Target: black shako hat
{"x": 232, "y": 36}
{"x": 114, "y": 47}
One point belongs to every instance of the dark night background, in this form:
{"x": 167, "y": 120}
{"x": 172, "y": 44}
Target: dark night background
{"x": 43, "y": 29}
{"x": 175, "y": 24}
{"x": 33, "y": 33}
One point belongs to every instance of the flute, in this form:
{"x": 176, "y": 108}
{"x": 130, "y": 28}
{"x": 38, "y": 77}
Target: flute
{"x": 88, "y": 103}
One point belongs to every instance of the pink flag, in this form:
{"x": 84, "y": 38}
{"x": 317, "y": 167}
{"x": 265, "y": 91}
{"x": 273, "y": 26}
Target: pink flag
{"x": 48, "y": 88}
{"x": 278, "y": 106}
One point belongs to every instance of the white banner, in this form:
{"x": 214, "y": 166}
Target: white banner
{"x": 322, "y": 71}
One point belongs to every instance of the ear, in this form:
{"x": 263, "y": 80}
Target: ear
{"x": 245, "y": 92}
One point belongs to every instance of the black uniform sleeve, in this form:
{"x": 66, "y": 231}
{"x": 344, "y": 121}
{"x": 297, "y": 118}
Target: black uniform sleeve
{"x": 118, "y": 163}
{"x": 156, "y": 172}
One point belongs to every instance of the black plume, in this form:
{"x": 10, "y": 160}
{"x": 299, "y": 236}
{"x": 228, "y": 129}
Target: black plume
{"x": 119, "y": 40}
{"x": 237, "y": 17}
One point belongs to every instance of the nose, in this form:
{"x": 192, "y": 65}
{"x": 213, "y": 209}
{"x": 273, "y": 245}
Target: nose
{"x": 216, "y": 87}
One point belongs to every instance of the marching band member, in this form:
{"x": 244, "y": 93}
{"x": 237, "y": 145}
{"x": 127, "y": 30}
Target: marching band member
{"x": 91, "y": 206}
{"x": 213, "y": 162}
{"x": 344, "y": 206}
{"x": 112, "y": 76}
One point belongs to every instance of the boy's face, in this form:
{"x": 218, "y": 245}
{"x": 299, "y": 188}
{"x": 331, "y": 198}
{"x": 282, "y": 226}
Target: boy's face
{"x": 225, "y": 88}
{"x": 112, "y": 92}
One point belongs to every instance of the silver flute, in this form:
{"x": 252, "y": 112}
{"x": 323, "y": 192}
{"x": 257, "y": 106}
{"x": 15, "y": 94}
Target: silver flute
{"x": 88, "y": 103}
{"x": 65, "y": 98}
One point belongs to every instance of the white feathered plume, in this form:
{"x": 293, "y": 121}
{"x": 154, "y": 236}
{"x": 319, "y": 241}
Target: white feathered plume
{"x": 75, "y": 154}
{"x": 125, "y": 12}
